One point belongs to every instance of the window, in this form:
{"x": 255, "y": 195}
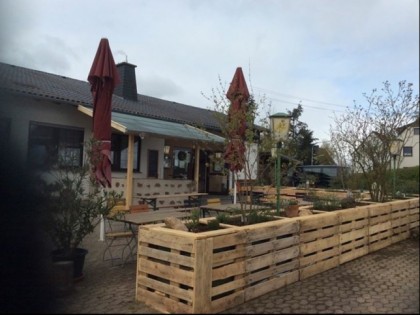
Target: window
{"x": 50, "y": 144}
{"x": 416, "y": 130}
{"x": 183, "y": 163}
{"x": 152, "y": 163}
{"x": 119, "y": 153}
{"x": 408, "y": 151}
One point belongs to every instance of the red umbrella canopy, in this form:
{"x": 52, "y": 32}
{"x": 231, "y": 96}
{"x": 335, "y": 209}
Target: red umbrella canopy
{"x": 238, "y": 95}
{"x": 103, "y": 77}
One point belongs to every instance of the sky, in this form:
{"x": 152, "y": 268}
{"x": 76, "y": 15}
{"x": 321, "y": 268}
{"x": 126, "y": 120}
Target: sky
{"x": 323, "y": 54}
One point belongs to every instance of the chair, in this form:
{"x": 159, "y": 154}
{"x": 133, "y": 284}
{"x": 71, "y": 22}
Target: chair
{"x": 119, "y": 237}
{"x": 211, "y": 201}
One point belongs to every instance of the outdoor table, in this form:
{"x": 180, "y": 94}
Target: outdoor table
{"x": 134, "y": 220}
{"x": 141, "y": 218}
{"x": 151, "y": 200}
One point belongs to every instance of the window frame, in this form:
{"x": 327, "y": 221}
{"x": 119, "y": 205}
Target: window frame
{"x": 188, "y": 159}
{"x": 57, "y": 144}
{"x": 409, "y": 153}
{"x": 117, "y": 140}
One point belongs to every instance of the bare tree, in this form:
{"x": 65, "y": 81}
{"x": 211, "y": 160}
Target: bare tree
{"x": 364, "y": 133}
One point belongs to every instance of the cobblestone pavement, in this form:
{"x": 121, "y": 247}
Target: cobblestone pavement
{"x": 385, "y": 281}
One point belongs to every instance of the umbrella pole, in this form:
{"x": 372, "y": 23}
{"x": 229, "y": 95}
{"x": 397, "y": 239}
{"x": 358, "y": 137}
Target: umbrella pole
{"x": 234, "y": 188}
{"x": 102, "y": 229}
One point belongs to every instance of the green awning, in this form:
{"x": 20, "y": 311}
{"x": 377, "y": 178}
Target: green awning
{"x": 131, "y": 124}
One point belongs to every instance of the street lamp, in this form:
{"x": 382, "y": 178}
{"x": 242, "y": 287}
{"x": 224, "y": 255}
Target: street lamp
{"x": 395, "y": 149}
{"x": 279, "y": 126}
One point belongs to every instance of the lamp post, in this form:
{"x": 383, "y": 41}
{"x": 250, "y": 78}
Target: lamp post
{"x": 279, "y": 126}
{"x": 395, "y": 149}
{"x": 312, "y": 152}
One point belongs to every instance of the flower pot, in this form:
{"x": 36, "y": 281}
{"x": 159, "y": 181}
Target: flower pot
{"x": 292, "y": 211}
{"x": 63, "y": 277}
{"x": 77, "y": 257}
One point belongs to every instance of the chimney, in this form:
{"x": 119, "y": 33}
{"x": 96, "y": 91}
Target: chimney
{"x": 128, "y": 86}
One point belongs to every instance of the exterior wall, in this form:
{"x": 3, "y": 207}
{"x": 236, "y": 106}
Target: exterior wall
{"x": 412, "y": 141}
{"x": 150, "y": 187}
{"x": 143, "y": 187}
{"x": 252, "y": 157}
{"x": 21, "y": 111}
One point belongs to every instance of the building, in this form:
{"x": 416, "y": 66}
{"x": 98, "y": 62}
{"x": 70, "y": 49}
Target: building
{"x": 410, "y": 151}
{"x": 175, "y": 146}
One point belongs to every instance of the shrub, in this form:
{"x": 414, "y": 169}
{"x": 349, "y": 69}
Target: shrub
{"x": 194, "y": 220}
{"x": 327, "y": 203}
{"x": 348, "y": 202}
{"x": 213, "y": 224}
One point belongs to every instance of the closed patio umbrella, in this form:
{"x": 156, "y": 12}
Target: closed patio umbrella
{"x": 235, "y": 150}
{"x": 238, "y": 95}
{"x": 103, "y": 77}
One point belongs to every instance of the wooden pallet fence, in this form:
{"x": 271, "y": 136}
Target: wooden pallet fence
{"x": 414, "y": 213}
{"x": 319, "y": 243}
{"x": 380, "y": 227}
{"x": 226, "y": 280}
{"x": 272, "y": 256}
{"x": 183, "y": 272}
{"x": 165, "y": 270}
{"x": 400, "y": 220}
{"x": 354, "y": 233}
{"x": 210, "y": 272}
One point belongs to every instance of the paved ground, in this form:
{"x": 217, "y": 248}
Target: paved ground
{"x": 386, "y": 281}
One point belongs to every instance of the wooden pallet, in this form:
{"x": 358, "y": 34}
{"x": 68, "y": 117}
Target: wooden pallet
{"x": 354, "y": 233}
{"x": 400, "y": 220}
{"x": 380, "y": 227}
{"x": 319, "y": 243}
{"x": 414, "y": 213}
{"x": 272, "y": 257}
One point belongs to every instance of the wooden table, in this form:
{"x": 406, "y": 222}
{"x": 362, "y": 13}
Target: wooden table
{"x": 229, "y": 208}
{"x": 151, "y": 200}
{"x": 134, "y": 220}
{"x": 141, "y": 218}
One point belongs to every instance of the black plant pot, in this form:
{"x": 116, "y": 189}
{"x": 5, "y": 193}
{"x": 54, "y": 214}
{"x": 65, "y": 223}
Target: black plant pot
{"x": 78, "y": 258}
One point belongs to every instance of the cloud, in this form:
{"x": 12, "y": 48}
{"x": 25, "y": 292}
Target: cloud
{"x": 158, "y": 86}
{"x": 324, "y": 50}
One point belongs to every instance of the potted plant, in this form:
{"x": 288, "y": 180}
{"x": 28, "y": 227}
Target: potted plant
{"x": 292, "y": 208}
{"x": 74, "y": 204}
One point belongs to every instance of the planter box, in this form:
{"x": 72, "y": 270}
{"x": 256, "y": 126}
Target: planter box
{"x": 209, "y": 272}
{"x": 183, "y": 272}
